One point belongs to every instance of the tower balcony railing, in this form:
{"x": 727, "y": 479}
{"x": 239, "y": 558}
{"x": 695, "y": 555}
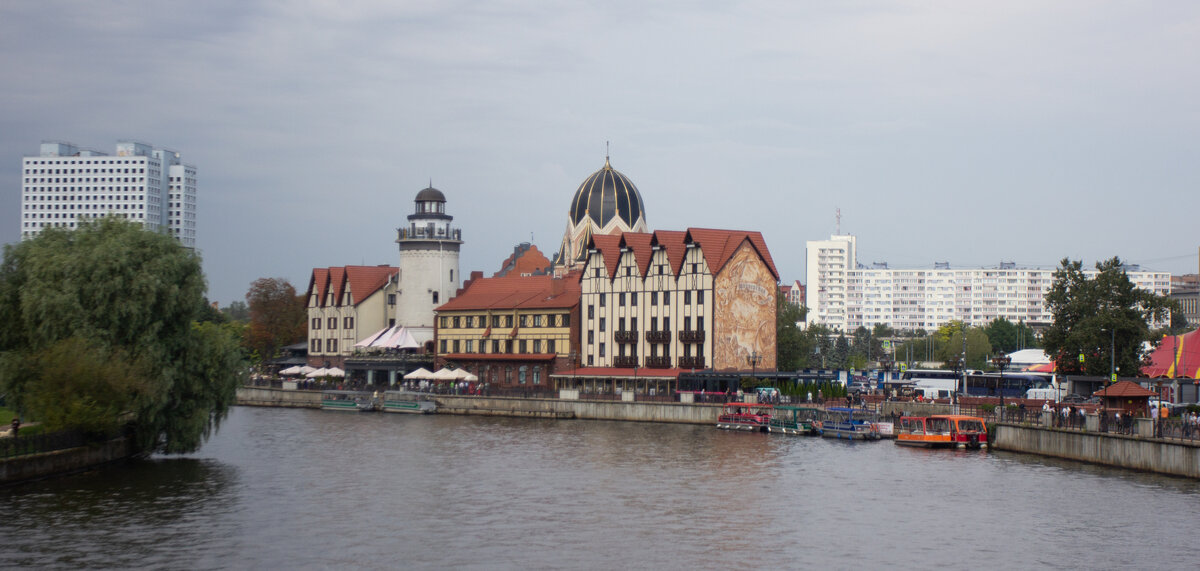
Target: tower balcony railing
{"x": 430, "y": 234}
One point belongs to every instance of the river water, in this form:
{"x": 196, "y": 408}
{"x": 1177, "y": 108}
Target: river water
{"x": 285, "y": 488}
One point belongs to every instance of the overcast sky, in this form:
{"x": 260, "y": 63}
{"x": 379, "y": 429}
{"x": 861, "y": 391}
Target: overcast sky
{"x": 967, "y": 132}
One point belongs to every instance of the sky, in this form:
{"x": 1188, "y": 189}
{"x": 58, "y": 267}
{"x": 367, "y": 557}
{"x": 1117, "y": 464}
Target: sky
{"x": 967, "y": 132}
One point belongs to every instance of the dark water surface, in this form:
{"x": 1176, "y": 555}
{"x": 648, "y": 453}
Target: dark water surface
{"x": 278, "y": 488}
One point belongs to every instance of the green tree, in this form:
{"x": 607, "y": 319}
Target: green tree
{"x": 1093, "y": 316}
{"x": 791, "y": 344}
{"x": 278, "y": 317}
{"x": 237, "y": 311}
{"x": 112, "y": 290}
{"x": 1006, "y": 337}
{"x": 949, "y": 345}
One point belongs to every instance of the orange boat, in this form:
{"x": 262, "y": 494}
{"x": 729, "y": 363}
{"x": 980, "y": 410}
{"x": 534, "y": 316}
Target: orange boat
{"x": 942, "y": 431}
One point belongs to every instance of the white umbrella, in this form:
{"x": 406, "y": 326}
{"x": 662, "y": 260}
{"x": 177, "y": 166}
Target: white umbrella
{"x": 418, "y": 375}
{"x": 334, "y": 372}
{"x": 318, "y": 373}
{"x": 444, "y": 375}
{"x": 469, "y": 377}
{"x": 306, "y": 370}
{"x": 291, "y": 371}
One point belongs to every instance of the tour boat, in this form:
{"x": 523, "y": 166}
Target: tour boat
{"x": 847, "y": 423}
{"x": 745, "y": 416}
{"x": 406, "y": 402}
{"x": 942, "y": 431}
{"x": 353, "y": 401}
{"x": 794, "y": 420}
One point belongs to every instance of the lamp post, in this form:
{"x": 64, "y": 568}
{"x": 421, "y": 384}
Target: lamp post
{"x": 753, "y": 358}
{"x": 1001, "y": 363}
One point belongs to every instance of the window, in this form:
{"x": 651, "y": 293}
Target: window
{"x": 695, "y": 268}
{"x": 591, "y": 312}
{"x": 495, "y": 345}
{"x": 537, "y": 320}
{"x": 666, "y": 323}
{"x": 633, "y": 301}
{"x": 443, "y": 345}
{"x": 602, "y": 329}
{"x": 435, "y": 297}
{"x": 457, "y": 323}
{"x": 348, "y": 323}
{"x": 523, "y": 347}
{"x": 633, "y": 324}
{"x": 508, "y": 346}
{"x": 537, "y": 376}
{"x": 565, "y": 321}
{"x": 469, "y": 346}
{"x": 687, "y": 323}
{"x": 700, "y": 296}
{"x": 521, "y": 320}
{"x": 443, "y": 322}
{"x": 666, "y": 298}
{"x": 602, "y": 300}
{"x": 495, "y": 321}
{"x": 470, "y": 319}
{"x": 621, "y": 324}
{"x": 621, "y": 299}
{"x": 653, "y": 298}
{"x": 331, "y": 346}
{"x": 537, "y": 345}
{"x": 550, "y": 346}
{"x": 601, "y": 349}
{"x": 591, "y": 337}
{"x": 315, "y": 346}
{"x": 455, "y": 346}
{"x": 687, "y": 296}
{"x": 508, "y": 321}
{"x": 699, "y": 323}
{"x": 521, "y": 374}
{"x": 316, "y": 324}
{"x": 596, "y": 272}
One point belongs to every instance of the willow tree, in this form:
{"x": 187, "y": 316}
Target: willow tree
{"x": 129, "y": 298}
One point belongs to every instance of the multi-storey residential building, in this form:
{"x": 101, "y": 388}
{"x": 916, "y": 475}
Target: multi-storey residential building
{"x": 911, "y": 299}
{"x": 511, "y": 331}
{"x": 794, "y": 293}
{"x": 65, "y": 185}
{"x": 346, "y": 305}
{"x": 671, "y": 301}
{"x": 827, "y": 293}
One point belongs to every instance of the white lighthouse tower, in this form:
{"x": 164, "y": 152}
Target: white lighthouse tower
{"x": 428, "y": 263}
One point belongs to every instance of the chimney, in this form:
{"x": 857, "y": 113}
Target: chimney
{"x": 557, "y": 286}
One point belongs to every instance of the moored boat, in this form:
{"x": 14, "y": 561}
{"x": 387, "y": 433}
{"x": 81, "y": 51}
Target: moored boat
{"x": 745, "y": 416}
{"x": 794, "y": 420}
{"x": 942, "y": 431}
{"x": 406, "y": 402}
{"x": 347, "y": 401}
{"x": 847, "y": 423}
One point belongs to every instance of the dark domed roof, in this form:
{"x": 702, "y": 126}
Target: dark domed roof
{"x": 431, "y": 195}
{"x": 604, "y": 194}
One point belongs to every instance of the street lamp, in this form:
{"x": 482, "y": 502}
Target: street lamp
{"x": 753, "y": 358}
{"x": 1001, "y": 363}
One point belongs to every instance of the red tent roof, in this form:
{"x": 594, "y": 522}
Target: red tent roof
{"x": 1177, "y": 356}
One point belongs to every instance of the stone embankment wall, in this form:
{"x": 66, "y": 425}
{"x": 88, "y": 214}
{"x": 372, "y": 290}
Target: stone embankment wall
{"x": 59, "y": 462}
{"x": 680, "y": 413}
{"x": 261, "y": 396}
{"x": 1164, "y": 456}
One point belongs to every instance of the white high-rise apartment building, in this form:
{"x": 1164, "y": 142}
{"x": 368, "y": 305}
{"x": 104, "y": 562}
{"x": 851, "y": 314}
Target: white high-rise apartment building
{"x": 829, "y": 261}
{"x": 911, "y": 299}
{"x": 66, "y": 184}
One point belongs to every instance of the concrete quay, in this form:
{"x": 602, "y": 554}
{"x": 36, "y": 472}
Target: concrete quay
{"x": 1141, "y": 452}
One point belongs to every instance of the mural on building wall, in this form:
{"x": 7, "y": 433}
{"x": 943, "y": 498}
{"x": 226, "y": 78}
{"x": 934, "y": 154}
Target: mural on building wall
{"x": 744, "y": 313}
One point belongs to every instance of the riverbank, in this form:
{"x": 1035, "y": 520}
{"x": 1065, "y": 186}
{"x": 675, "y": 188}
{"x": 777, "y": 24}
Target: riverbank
{"x": 29, "y": 467}
{"x": 1158, "y": 455}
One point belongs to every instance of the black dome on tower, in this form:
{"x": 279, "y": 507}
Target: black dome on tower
{"x": 605, "y": 194}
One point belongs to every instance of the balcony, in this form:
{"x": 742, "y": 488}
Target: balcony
{"x": 625, "y": 362}
{"x": 658, "y": 362}
{"x": 690, "y": 336}
{"x": 658, "y": 336}
{"x": 691, "y": 362}
{"x": 626, "y": 336}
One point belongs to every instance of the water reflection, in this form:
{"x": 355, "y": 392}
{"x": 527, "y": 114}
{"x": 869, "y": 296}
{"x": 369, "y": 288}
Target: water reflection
{"x": 298, "y": 488}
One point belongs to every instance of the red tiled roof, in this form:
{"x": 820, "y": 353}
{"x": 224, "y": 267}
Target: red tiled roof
{"x": 720, "y": 245}
{"x": 363, "y": 281}
{"x": 366, "y": 280}
{"x": 610, "y": 247}
{"x": 1122, "y": 389}
{"x": 640, "y": 244}
{"x": 516, "y": 292}
{"x": 525, "y": 259}
{"x": 673, "y": 242}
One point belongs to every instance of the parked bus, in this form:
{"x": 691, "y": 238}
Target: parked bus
{"x": 1014, "y": 385}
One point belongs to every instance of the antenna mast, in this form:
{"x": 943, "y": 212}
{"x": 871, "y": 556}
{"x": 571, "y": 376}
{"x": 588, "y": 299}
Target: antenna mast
{"x": 838, "y": 216}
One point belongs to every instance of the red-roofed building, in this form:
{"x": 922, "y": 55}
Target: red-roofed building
{"x": 702, "y": 299}
{"x": 512, "y": 331}
{"x": 794, "y": 294}
{"x": 346, "y": 304}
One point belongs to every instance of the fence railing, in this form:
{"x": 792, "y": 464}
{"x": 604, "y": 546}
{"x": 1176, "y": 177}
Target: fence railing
{"x": 43, "y": 442}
